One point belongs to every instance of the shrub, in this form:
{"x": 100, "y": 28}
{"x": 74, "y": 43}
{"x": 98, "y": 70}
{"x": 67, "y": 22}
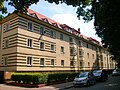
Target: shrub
{"x": 30, "y": 78}
{"x": 37, "y": 78}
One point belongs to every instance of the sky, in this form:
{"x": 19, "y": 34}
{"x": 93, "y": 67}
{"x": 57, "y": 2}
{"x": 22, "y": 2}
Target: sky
{"x": 63, "y": 14}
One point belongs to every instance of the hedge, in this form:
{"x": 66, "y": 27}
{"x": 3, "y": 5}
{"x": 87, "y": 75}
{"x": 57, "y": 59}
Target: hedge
{"x": 29, "y": 78}
{"x": 38, "y": 78}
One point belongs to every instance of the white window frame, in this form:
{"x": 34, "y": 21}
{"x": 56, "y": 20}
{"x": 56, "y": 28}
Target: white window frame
{"x": 43, "y": 63}
{"x": 29, "y": 43}
{"x": 29, "y": 61}
{"x": 7, "y": 27}
{"x": 42, "y": 30}
{"x": 61, "y": 36}
{"x": 52, "y": 47}
{"x": 62, "y": 63}
{"x": 62, "y": 50}
{"x": 5, "y": 61}
{"x": 52, "y": 62}
{"x": 42, "y": 45}
{"x": 30, "y": 26}
{"x": 70, "y": 39}
{"x": 6, "y": 43}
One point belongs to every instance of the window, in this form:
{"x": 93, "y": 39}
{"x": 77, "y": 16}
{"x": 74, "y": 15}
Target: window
{"x": 41, "y": 45}
{"x": 29, "y": 26}
{"x": 80, "y": 44}
{"x": 6, "y": 43}
{"x": 70, "y": 39}
{"x": 62, "y": 63}
{"x": 71, "y": 63}
{"x": 5, "y": 61}
{"x": 88, "y": 64}
{"x": 42, "y": 62}
{"x": 62, "y": 49}
{"x": 52, "y": 47}
{"x": 42, "y": 30}
{"x": 51, "y": 33}
{"x": 29, "y": 61}
{"x": 88, "y": 55}
{"x": 52, "y": 62}
{"x": 81, "y": 64}
{"x": 29, "y": 43}
{"x": 7, "y": 27}
{"x": 61, "y": 36}
{"x": 93, "y": 56}
{"x": 71, "y": 51}
{"x": 87, "y": 46}
{"x": 80, "y": 52}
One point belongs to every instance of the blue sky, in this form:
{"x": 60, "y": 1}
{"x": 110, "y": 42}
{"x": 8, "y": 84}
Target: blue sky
{"x": 63, "y": 14}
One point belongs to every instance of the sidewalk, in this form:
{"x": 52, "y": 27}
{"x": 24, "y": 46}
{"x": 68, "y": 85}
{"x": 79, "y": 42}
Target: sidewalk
{"x": 51, "y": 87}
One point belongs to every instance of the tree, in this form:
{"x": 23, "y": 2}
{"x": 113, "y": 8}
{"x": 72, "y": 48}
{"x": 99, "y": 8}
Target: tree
{"x": 2, "y": 8}
{"x": 106, "y": 15}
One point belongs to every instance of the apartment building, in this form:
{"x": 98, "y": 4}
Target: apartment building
{"x": 32, "y": 42}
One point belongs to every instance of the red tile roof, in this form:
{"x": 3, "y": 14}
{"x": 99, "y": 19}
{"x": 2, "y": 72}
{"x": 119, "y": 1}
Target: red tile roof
{"x": 61, "y": 26}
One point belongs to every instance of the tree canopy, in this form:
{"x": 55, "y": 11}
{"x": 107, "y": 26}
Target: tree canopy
{"x": 106, "y": 15}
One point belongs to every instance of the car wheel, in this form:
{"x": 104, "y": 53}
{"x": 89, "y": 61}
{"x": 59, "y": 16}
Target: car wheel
{"x": 95, "y": 82}
{"x": 88, "y": 83}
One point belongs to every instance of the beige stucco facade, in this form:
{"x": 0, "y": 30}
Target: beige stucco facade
{"x": 28, "y": 50}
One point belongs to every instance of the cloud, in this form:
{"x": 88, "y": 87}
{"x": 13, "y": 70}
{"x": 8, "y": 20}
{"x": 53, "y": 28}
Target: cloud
{"x": 65, "y": 15}
{"x": 72, "y": 21}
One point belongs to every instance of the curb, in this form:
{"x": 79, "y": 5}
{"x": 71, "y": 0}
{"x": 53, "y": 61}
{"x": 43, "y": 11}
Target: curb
{"x": 66, "y": 87}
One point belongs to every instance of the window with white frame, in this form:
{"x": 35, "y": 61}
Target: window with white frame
{"x": 88, "y": 64}
{"x": 7, "y": 27}
{"x": 71, "y": 63}
{"x": 52, "y": 62}
{"x": 6, "y": 43}
{"x": 29, "y": 61}
{"x": 71, "y": 51}
{"x": 5, "y": 61}
{"x": 70, "y": 39}
{"x": 29, "y": 43}
{"x": 80, "y": 52}
{"x": 93, "y": 56}
{"x": 42, "y": 61}
{"x": 29, "y": 26}
{"x": 88, "y": 55}
{"x": 62, "y": 63}
{"x": 42, "y": 30}
{"x": 52, "y": 47}
{"x": 51, "y": 33}
{"x": 62, "y": 49}
{"x": 61, "y": 36}
{"x": 41, "y": 45}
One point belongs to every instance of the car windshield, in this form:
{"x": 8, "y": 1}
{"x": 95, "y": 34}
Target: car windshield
{"x": 117, "y": 70}
{"x": 82, "y": 75}
{"x": 97, "y": 71}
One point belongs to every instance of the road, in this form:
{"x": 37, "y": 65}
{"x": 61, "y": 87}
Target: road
{"x": 112, "y": 84}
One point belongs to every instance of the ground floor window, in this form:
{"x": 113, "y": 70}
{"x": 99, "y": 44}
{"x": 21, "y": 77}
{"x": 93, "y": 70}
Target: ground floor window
{"x": 29, "y": 61}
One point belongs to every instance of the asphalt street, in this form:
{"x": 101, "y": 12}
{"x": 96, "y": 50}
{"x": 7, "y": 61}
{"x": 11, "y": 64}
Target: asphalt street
{"x": 113, "y": 83}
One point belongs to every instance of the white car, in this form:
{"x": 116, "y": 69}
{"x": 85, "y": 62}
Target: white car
{"x": 85, "y": 78}
{"x": 116, "y": 72}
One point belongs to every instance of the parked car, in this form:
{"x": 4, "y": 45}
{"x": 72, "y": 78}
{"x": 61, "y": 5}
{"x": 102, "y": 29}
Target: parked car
{"x": 116, "y": 72}
{"x": 101, "y": 75}
{"x": 84, "y": 78}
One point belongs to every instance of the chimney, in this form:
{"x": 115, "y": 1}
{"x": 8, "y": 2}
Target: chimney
{"x": 79, "y": 30}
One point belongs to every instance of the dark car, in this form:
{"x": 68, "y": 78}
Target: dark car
{"x": 84, "y": 78}
{"x": 116, "y": 72}
{"x": 101, "y": 75}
